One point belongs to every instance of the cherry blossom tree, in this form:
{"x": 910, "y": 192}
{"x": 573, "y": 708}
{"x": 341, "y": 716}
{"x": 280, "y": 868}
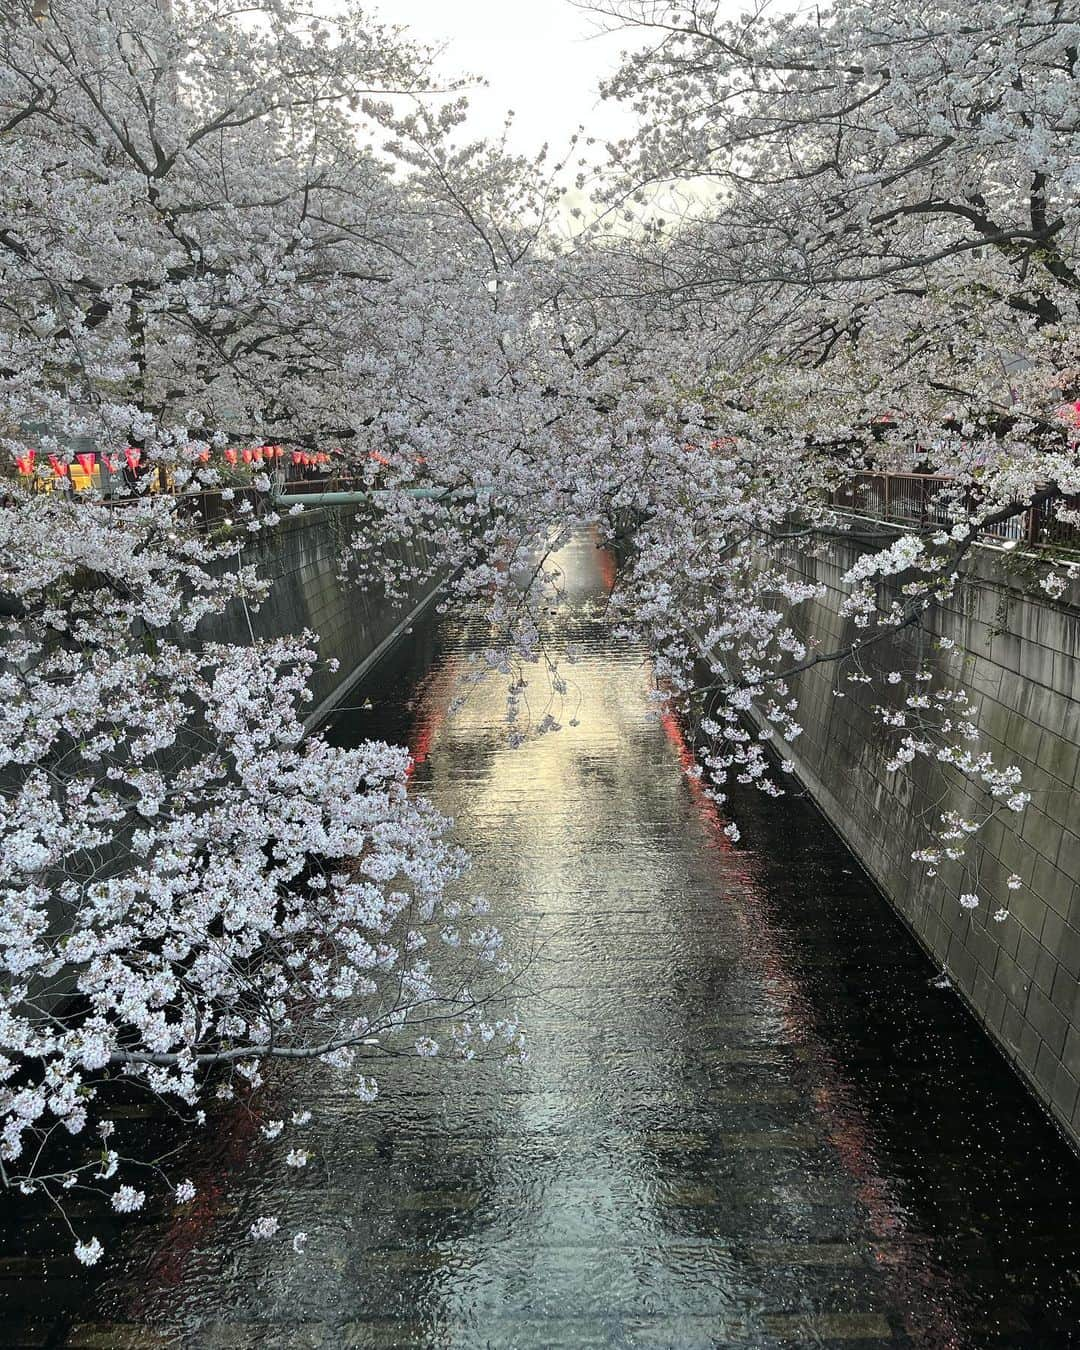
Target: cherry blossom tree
{"x": 195, "y": 239}
{"x": 849, "y": 286}
{"x": 866, "y": 217}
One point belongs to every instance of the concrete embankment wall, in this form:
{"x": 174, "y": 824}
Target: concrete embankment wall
{"x": 302, "y": 557}
{"x": 1017, "y": 654}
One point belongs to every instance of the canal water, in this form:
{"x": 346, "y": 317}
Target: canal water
{"x": 750, "y": 1118}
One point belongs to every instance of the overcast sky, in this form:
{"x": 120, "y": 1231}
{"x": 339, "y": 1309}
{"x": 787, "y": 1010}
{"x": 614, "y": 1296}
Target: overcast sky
{"x": 542, "y": 58}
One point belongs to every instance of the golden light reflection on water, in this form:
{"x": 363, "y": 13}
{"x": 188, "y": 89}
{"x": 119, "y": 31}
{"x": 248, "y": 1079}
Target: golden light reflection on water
{"x": 588, "y": 829}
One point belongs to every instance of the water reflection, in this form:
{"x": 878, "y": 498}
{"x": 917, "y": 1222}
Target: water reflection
{"x": 748, "y": 1119}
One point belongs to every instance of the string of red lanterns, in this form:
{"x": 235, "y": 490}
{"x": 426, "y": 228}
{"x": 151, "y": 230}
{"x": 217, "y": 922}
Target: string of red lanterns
{"x": 133, "y": 457}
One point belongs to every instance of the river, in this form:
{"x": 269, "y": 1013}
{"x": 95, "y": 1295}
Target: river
{"x": 750, "y": 1118}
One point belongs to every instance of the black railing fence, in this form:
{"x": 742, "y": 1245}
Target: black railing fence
{"x": 923, "y": 500}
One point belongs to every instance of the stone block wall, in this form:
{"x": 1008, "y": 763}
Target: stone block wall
{"x": 1017, "y": 653}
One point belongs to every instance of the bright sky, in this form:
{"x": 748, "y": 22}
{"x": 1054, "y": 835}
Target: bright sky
{"x": 542, "y": 58}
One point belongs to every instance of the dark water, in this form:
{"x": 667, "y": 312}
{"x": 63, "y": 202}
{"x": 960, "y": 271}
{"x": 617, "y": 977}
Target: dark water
{"x": 748, "y": 1119}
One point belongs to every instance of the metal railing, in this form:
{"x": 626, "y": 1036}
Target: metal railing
{"x": 916, "y": 500}
{"x": 924, "y": 500}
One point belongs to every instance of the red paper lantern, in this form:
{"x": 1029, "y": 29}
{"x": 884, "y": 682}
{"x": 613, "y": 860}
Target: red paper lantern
{"x": 25, "y": 463}
{"x": 297, "y": 457}
{"x": 231, "y": 456}
{"x": 59, "y": 467}
{"x": 133, "y": 456}
{"x": 111, "y": 463}
{"x": 87, "y": 459}
{"x": 247, "y": 456}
